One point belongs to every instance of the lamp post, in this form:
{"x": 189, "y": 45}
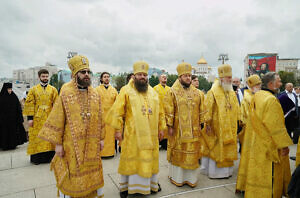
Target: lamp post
{"x": 223, "y": 58}
{"x": 71, "y": 54}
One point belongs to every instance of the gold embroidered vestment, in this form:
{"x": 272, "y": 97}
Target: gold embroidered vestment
{"x": 183, "y": 109}
{"x": 76, "y": 123}
{"x": 39, "y": 103}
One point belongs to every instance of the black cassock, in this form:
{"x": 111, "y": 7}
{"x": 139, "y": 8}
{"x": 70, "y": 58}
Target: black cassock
{"x": 12, "y": 132}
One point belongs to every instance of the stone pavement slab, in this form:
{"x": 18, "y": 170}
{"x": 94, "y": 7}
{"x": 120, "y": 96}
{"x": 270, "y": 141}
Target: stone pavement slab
{"x": 23, "y": 194}
{"x": 5, "y": 161}
{"x": 26, "y": 178}
{"x": 20, "y": 159}
{"x": 46, "y": 192}
{"x": 205, "y": 193}
{"x": 20, "y": 179}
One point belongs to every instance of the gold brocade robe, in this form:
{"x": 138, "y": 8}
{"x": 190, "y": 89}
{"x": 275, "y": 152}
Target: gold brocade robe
{"x": 244, "y": 112}
{"x": 39, "y": 103}
{"x": 204, "y": 151}
{"x": 108, "y": 97}
{"x": 245, "y": 137}
{"x": 76, "y": 123}
{"x": 222, "y": 116}
{"x": 298, "y": 154}
{"x": 182, "y": 111}
{"x": 141, "y": 116}
{"x": 161, "y": 93}
{"x": 268, "y": 172}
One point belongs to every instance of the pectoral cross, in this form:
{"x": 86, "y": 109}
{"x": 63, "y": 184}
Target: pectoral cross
{"x": 149, "y": 111}
{"x": 85, "y": 115}
{"x": 228, "y": 106}
{"x": 144, "y": 110}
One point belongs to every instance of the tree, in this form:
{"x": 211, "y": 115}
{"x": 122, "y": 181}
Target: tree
{"x": 171, "y": 79}
{"x": 204, "y": 84}
{"x": 298, "y": 82}
{"x": 153, "y": 80}
{"x": 54, "y": 79}
{"x": 286, "y": 77}
{"x": 55, "y": 82}
{"x": 119, "y": 80}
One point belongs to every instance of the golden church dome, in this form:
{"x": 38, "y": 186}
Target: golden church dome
{"x": 202, "y": 61}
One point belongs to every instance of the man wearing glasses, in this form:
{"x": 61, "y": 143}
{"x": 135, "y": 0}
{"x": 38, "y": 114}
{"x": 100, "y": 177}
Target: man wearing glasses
{"x": 75, "y": 127}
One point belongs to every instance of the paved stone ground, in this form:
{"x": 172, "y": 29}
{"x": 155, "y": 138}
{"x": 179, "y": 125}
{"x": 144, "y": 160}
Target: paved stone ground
{"x": 20, "y": 179}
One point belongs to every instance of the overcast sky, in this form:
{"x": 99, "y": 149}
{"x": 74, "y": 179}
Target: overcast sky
{"x": 113, "y": 34}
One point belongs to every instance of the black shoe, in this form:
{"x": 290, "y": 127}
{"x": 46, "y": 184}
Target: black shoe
{"x": 158, "y": 190}
{"x": 293, "y": 158}
{"x": 239, "y": 192}
{"x": 295, "y": 140}
{"x": 124, "y": 194}
{"x": 35, "y": 163}
{"x": 107, "y": 157}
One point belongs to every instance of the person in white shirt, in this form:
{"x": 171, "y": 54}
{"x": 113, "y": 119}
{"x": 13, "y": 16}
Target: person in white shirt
{"x": 236, "y": 82}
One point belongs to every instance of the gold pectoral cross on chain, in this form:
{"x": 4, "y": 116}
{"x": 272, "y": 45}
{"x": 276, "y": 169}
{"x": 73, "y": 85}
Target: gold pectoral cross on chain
{"x": 228, "y": 105}
{"x": 144, "y": 110}
{"x": 85, "y": 115}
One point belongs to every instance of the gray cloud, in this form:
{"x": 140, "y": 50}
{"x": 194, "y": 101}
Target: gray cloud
{"x": 114, "y": 34}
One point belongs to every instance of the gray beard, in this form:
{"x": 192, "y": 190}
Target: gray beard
{"x": 226, "y": 86}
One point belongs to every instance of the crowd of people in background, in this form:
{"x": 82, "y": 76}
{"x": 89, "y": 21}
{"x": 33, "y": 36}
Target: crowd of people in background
{"x": 81, "y": 125}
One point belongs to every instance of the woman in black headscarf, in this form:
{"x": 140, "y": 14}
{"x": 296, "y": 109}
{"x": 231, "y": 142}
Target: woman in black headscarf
{"x": 12, "y": 132}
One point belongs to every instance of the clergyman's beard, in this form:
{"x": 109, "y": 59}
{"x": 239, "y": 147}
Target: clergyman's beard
{"x": 141, "y": 86}
{"x": 83, "y": 83}
{"x": 185, "y": 85}
{"x": 45, "y": 81}
{"x": 226, "y": 86}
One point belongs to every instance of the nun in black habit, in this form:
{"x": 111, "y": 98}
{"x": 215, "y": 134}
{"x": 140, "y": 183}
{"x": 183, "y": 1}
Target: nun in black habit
{"x": 12, "y": 132}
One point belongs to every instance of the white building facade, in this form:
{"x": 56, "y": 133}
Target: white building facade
{"x": 202, "y": 69}
{"x": 30, "y": 75}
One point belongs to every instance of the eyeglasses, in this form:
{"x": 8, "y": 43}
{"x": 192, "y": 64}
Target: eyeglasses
{"x": 86, "y": 71}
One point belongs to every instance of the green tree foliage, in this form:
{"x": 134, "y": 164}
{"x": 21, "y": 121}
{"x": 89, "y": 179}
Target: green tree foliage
{"x": 55, "y": 82}
{"x": 204, "y": 84}
{"x": 119, "y": 80}
{"x": 153, "y": 81}
{"x": 171, "y": 79}
{"x": 298, "y": 82}
{"x": 286, "y": 77}
{"x": 53, "y": 79}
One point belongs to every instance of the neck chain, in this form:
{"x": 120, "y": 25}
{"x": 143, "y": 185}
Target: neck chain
{"x": 146, "y": 109}
{"x": 85, "y": 107}
{"x": 227, "y": 100}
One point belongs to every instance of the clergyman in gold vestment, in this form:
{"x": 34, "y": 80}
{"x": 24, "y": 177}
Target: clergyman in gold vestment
{"x": 203, "y": 147}
{"x": 162, "y": 89}
{"x": 75, "y": 127}
{"x": 108, "y": 96}
{"x": 138, "y": 111}
{"x": 253, "y": 85}
{"x": 221, "y": 120}
{"x": 182, "y": 111}
{"x": 268, "y": 169}
{"x": 38, "y": 105}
